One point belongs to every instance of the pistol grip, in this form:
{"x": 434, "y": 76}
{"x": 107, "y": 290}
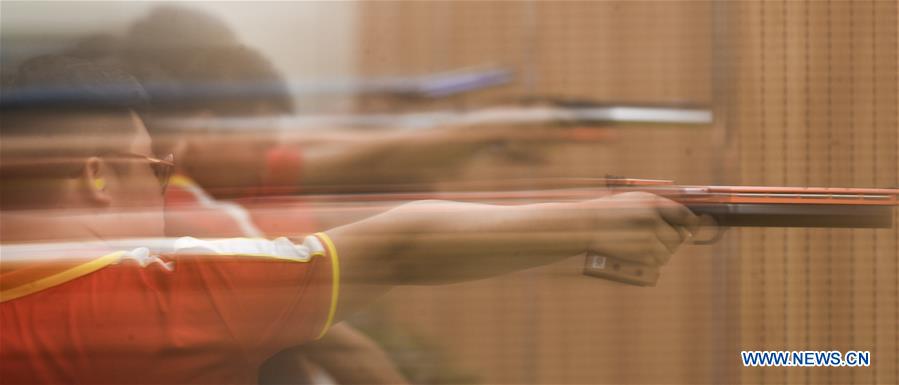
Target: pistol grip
{"x": 632, "y": 273}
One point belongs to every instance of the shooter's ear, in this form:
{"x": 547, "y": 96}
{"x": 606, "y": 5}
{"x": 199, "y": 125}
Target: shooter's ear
{"x": 94, "y": 181}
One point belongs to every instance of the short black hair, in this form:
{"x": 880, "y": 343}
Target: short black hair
{"x": 52, "y": 88}
{"x": 53, "y": 82}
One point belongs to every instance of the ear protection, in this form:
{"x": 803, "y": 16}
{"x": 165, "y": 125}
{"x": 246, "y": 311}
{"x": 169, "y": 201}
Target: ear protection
{"x": 99, "y": 183}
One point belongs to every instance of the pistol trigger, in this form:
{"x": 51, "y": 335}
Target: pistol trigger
{"x": 706, "y": 220}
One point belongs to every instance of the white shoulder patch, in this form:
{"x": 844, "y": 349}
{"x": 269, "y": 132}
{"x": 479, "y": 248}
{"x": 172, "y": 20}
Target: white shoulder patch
{"x": 281, "y": 248}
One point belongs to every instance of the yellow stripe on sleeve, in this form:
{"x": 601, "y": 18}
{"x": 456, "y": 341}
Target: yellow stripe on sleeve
{"x": 60, "y": 278}
{"x": 335, "y": 280}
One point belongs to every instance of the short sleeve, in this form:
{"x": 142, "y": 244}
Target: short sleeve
{"x": 266, "y": 302}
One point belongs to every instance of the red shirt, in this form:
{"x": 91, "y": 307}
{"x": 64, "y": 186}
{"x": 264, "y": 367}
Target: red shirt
{"x": 190, "y": 211}
{"x": 212, "y": 319}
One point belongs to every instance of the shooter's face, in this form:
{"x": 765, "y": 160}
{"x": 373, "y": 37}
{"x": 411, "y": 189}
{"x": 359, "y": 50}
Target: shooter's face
{"x": 97, "y": 171}
{"x": 129, "y": 196}
{"x": 140, "y": 184}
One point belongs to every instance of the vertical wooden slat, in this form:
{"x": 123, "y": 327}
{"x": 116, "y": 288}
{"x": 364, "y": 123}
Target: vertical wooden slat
{"x": 884, "y": 153}
{"x": 745, "y": 123}
{"x": 774, "y": 173}
{"x": 820, "y": 255}
{"x": 864, "y": 292}
{"x": 841, "y": 328}
{"x": 796, "y": 157}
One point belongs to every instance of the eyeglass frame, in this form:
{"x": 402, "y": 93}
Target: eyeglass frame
{"x": 163, "y": 175}
{"x": 167, "y": 161}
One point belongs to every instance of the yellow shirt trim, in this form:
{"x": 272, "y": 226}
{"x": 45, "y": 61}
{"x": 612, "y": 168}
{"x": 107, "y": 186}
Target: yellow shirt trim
{"x": 106, "y": 260}
{"x": 181, "y": 180}
{"x": 60, "y": 278}
{"x": 335, "y": 280}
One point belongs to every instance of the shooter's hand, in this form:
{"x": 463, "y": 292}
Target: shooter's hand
{"x": 640, "y": 227}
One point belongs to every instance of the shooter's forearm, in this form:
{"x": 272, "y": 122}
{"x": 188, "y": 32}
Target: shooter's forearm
{"x": 434, "y": 242}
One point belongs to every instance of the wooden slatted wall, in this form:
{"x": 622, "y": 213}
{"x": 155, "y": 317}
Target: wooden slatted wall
{"x": 813, "y": 101}
{"x": 806, "y": 94}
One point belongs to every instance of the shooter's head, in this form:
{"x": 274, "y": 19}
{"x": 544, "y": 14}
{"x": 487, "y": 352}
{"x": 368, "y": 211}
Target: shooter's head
{"x": 73, "y": 139}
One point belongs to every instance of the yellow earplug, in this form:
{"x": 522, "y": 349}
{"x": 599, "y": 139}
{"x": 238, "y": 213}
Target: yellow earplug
{"x": 99, "y": 183}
